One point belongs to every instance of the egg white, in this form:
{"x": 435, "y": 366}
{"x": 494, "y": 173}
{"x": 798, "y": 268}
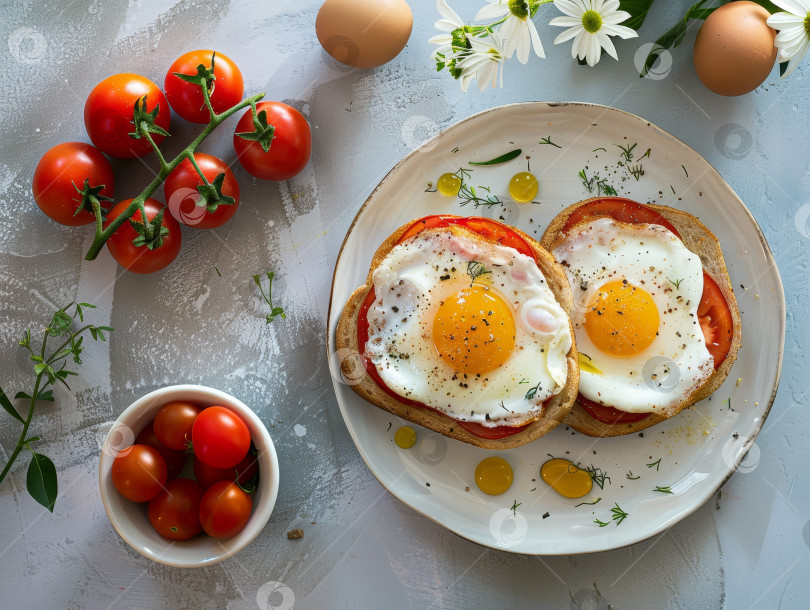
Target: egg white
{"x": 410, "y": 284}
{"x": 653, "y": 258}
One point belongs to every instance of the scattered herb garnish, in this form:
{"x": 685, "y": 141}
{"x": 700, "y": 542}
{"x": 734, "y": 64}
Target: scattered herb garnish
{"x": 630, "y": 476}
{"x": 455, "y": 150}
{"x": 498, "y": 160}
{"x": 646, "y": 154}
{"x": 600, "y": 148}
{"x": 596, "y": 182}
{"x": 598, "y": 475}
{"x": 532, "y": 489}
{"x": 217, "y": 270}
{"x": 637, "y": 171}
{"x": 548, "y": 141}
{"x": 274, "y": 311}
{"x": 618, "y": 515}
{"x": 673, "y": 189}
{"x": 676, "y": 283}
{"x": 532, "y": 392}
{"x": 476, "y": 270}
{"x": 524, "y": 380}
{"x": 656, "y": 463}
{"x": 663, "y": 490}
{"x": 627, "y": 152}
{"x": 728, "y": 401}
{"x": 600, "y": 523}
{"x": 41, "y": 479}
{"x": 587, "y": 503}
{"x": 503, "y": 406}
{"x": 468, "y": 194}
{"x": 684, "y": 171}
{"x": 515, "y": 505}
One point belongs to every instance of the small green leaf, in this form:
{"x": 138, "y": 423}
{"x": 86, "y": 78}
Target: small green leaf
{"x": 6, "y": 404}
{"x": 263, "y": 133}
{"x": 676, "y": 34}
{"x": 45, "y": 395}
{"x": 498, "y": 160}
{"x": 783, "y": 66}
{"x": 59, "y": 324}
{"x": 41, "y": 480}
{"x": 22, "y": 395}
{"x": 40, "y": 368}
{"x": 638, "y": 10}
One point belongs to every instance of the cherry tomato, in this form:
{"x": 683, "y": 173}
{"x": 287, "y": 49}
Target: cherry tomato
{"x": 187, "y": 98}
{"x": 175, "y": 460}
{"x": 609, "y": 415}
{"x": 715, "y": 320}
{"x": 62, "y": 167}
{"x": 220, "y": 438}
{"x": 224, "y": 510}
{"x": 289, "y": 150}
{"x": 173, "y": 424}
{"x": 139, "y": 473}
{"x": 180, "y": 192}
{"x": 140, "y": 259}
{"x": 244, "y": 471}
{"x": 175, "y": 512}
{"x": 109, "y": 113}
{"x": 618, "y": 208}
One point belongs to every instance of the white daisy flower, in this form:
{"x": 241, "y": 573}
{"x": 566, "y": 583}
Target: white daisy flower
{"x": 449, "y": 23}
{"x": 793, "y": 24}
{"x": 517, "y": 31}
{"x": 484, "y": 61}
{"x": 591, "y": 23}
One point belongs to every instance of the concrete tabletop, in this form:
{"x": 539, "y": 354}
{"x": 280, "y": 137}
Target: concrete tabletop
{"x": 749, "y": 546}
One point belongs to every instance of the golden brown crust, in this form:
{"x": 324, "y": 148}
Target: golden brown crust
{"x": 697, "y": 238}
{"x": 353, "y": 367}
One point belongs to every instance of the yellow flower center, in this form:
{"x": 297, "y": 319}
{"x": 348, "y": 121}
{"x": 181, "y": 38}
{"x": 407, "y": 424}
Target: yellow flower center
{"x": 519, "y": 8}
{"x": 591, "y": 21}
{"x": 807, "y": 23}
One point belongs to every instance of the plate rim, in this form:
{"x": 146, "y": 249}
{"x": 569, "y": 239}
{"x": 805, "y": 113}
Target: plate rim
{"x": 781, "y": 319}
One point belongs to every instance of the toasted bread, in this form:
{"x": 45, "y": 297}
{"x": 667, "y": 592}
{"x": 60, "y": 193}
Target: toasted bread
{"x": 697, "y": 238}
{"x": 553, "y": 413}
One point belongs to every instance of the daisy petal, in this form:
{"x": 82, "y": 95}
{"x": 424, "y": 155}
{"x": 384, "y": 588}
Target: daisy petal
{"x": 568, "y": 35}
{"x": 569, "y": 8}
{"x": 795, "y": 61}
{"x": 566, "y": 21}
{"x": 607, "y": 45}
{"x": 537, "y": 45}
{"x": 492, "y": 11}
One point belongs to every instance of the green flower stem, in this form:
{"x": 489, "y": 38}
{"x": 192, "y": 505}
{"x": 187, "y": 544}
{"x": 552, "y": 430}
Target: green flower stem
{"x": 21, "y": 442}
{"x": 102, "y": 235}
{"x": 199, "y": 171}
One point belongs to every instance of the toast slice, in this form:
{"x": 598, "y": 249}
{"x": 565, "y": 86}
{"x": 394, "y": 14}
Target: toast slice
{"x": 353, "y": 368}
{"x": 700, "y": 240}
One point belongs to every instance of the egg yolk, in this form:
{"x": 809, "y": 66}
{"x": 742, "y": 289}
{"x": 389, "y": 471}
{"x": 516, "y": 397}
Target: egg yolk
{"x": 566, "y": 479}
{"x": 405, "y": 437}
{"x": 474, "y": 330}
{"x": 622, "y": 319}
{"x": 523, "y": 187}
{"x": 448, "y": 185}
{"x": 493, "y": 475}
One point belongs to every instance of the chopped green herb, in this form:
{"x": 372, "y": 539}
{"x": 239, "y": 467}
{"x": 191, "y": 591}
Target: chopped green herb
{"x": 618, "y": 515}
{"x": 548, "y": 141}
{"x": 630, "y": 476}
{"x": 217, "y": 270}
{"x": 468, "y": 194}
{"x": 601, "y": 523}
{"x": 532, "y": 392}
{"x": 498, "y": 160}
{"x": 600, "y": 148}
{"x": 598, "y": 475}
{"x": 637, "y": 171}
{"x": 476, "y": 270}
{"x": 676, "y": 283}
{"x": 597, "y": 183}
{"x": 587, "y": 503}
{"x": 656, "y": 463}
{"x": 455, "y": 150}
{"x": 684, "y": 171}
{"x": 627, "y": 152}
{"x": 515, "y": 505}
{"x": 663, "y": 490}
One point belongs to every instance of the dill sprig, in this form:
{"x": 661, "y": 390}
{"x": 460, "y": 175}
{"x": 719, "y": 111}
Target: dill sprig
{"x": 548, "y": 141}
{"x": 532, "y": 392}
{"x": 469, "y": 194}
{"x": 598, "y": 475}
{"x": 597, "y": 183}
{"x": 514, "y": 508}
{"x": 656, "y": 463}
{"x": 587, "y": 503}
{"x": 630, "y": 476}
{"x": 617, "y": 514}
{"x": 601, "y": 523}
{"x": 476, "y": 270}
{"x": 676, "y": 283}
{"x": 664, "y": 490}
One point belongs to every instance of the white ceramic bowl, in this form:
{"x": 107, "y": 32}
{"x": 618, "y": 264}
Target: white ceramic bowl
{"x": 130, "y": 520}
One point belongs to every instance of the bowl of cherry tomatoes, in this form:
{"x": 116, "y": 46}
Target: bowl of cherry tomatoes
{"x": 188, "y": 475}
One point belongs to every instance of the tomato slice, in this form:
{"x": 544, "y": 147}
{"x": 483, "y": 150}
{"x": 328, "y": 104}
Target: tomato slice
{"x": 618, "y": 208}
{"x": 487, "y": 228}
{"x": 362, "y": 338}
{"x": 609, "y": 415}
{"x": 715, "y": 320}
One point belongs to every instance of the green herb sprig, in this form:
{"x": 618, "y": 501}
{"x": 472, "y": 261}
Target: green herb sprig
{"x": 664, "y": 490}
{"x": 617, "y": 514}
{"x": 597, "y": 183}
{"x": 49, "y": 368}
{"x": 549, "y": 142}
{"x": 501, "y": 159}
{"x": 468, "y": 194}
{"x": 476, "y": 270}
{"x": 274, "y": 311}
{"x": 656, "y": 463}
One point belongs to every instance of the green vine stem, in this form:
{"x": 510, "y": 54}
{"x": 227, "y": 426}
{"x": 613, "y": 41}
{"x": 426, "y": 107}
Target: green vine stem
{"x": 102, "y": 235}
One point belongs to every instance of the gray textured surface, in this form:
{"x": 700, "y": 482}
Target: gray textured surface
{"x": 366, "y": 550}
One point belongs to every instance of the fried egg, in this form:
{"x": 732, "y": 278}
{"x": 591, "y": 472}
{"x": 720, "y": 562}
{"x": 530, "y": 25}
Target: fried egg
{"x": 636, "y": 293}
{"x": 467, "y": 327}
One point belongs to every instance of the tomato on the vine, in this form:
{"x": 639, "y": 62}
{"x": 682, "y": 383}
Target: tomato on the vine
{"x": 242, "y": 473}
{"x": 109, "y": 113}
{"x": 173, "y": 424}
{"x": 175, "y": 512}
{"x": 62, "y": 170}
{"x": 140, "y": 259}
{"x": 224, "y": 509}
{"x": 139, "y": 473}
{"x": 187, "y": 98}
{"x": 290, "y": 147}
{"x": 175, "y": 460}
{"x": 181, "y": 194}
{"x": 220, "y": 438}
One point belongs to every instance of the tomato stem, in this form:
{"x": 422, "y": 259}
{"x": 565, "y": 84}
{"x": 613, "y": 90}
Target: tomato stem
{"x": 159, "y": 154}
{"x": 102, "y": 235}
{"x": 193, "y": 161}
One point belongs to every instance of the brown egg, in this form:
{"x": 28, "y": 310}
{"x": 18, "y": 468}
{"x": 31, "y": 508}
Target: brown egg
{"x": 734, "y": 50}
{"x": 364, "y": 33}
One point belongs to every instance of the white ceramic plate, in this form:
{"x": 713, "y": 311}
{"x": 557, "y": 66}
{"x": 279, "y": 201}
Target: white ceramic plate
{"x": 698, "y": 449}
